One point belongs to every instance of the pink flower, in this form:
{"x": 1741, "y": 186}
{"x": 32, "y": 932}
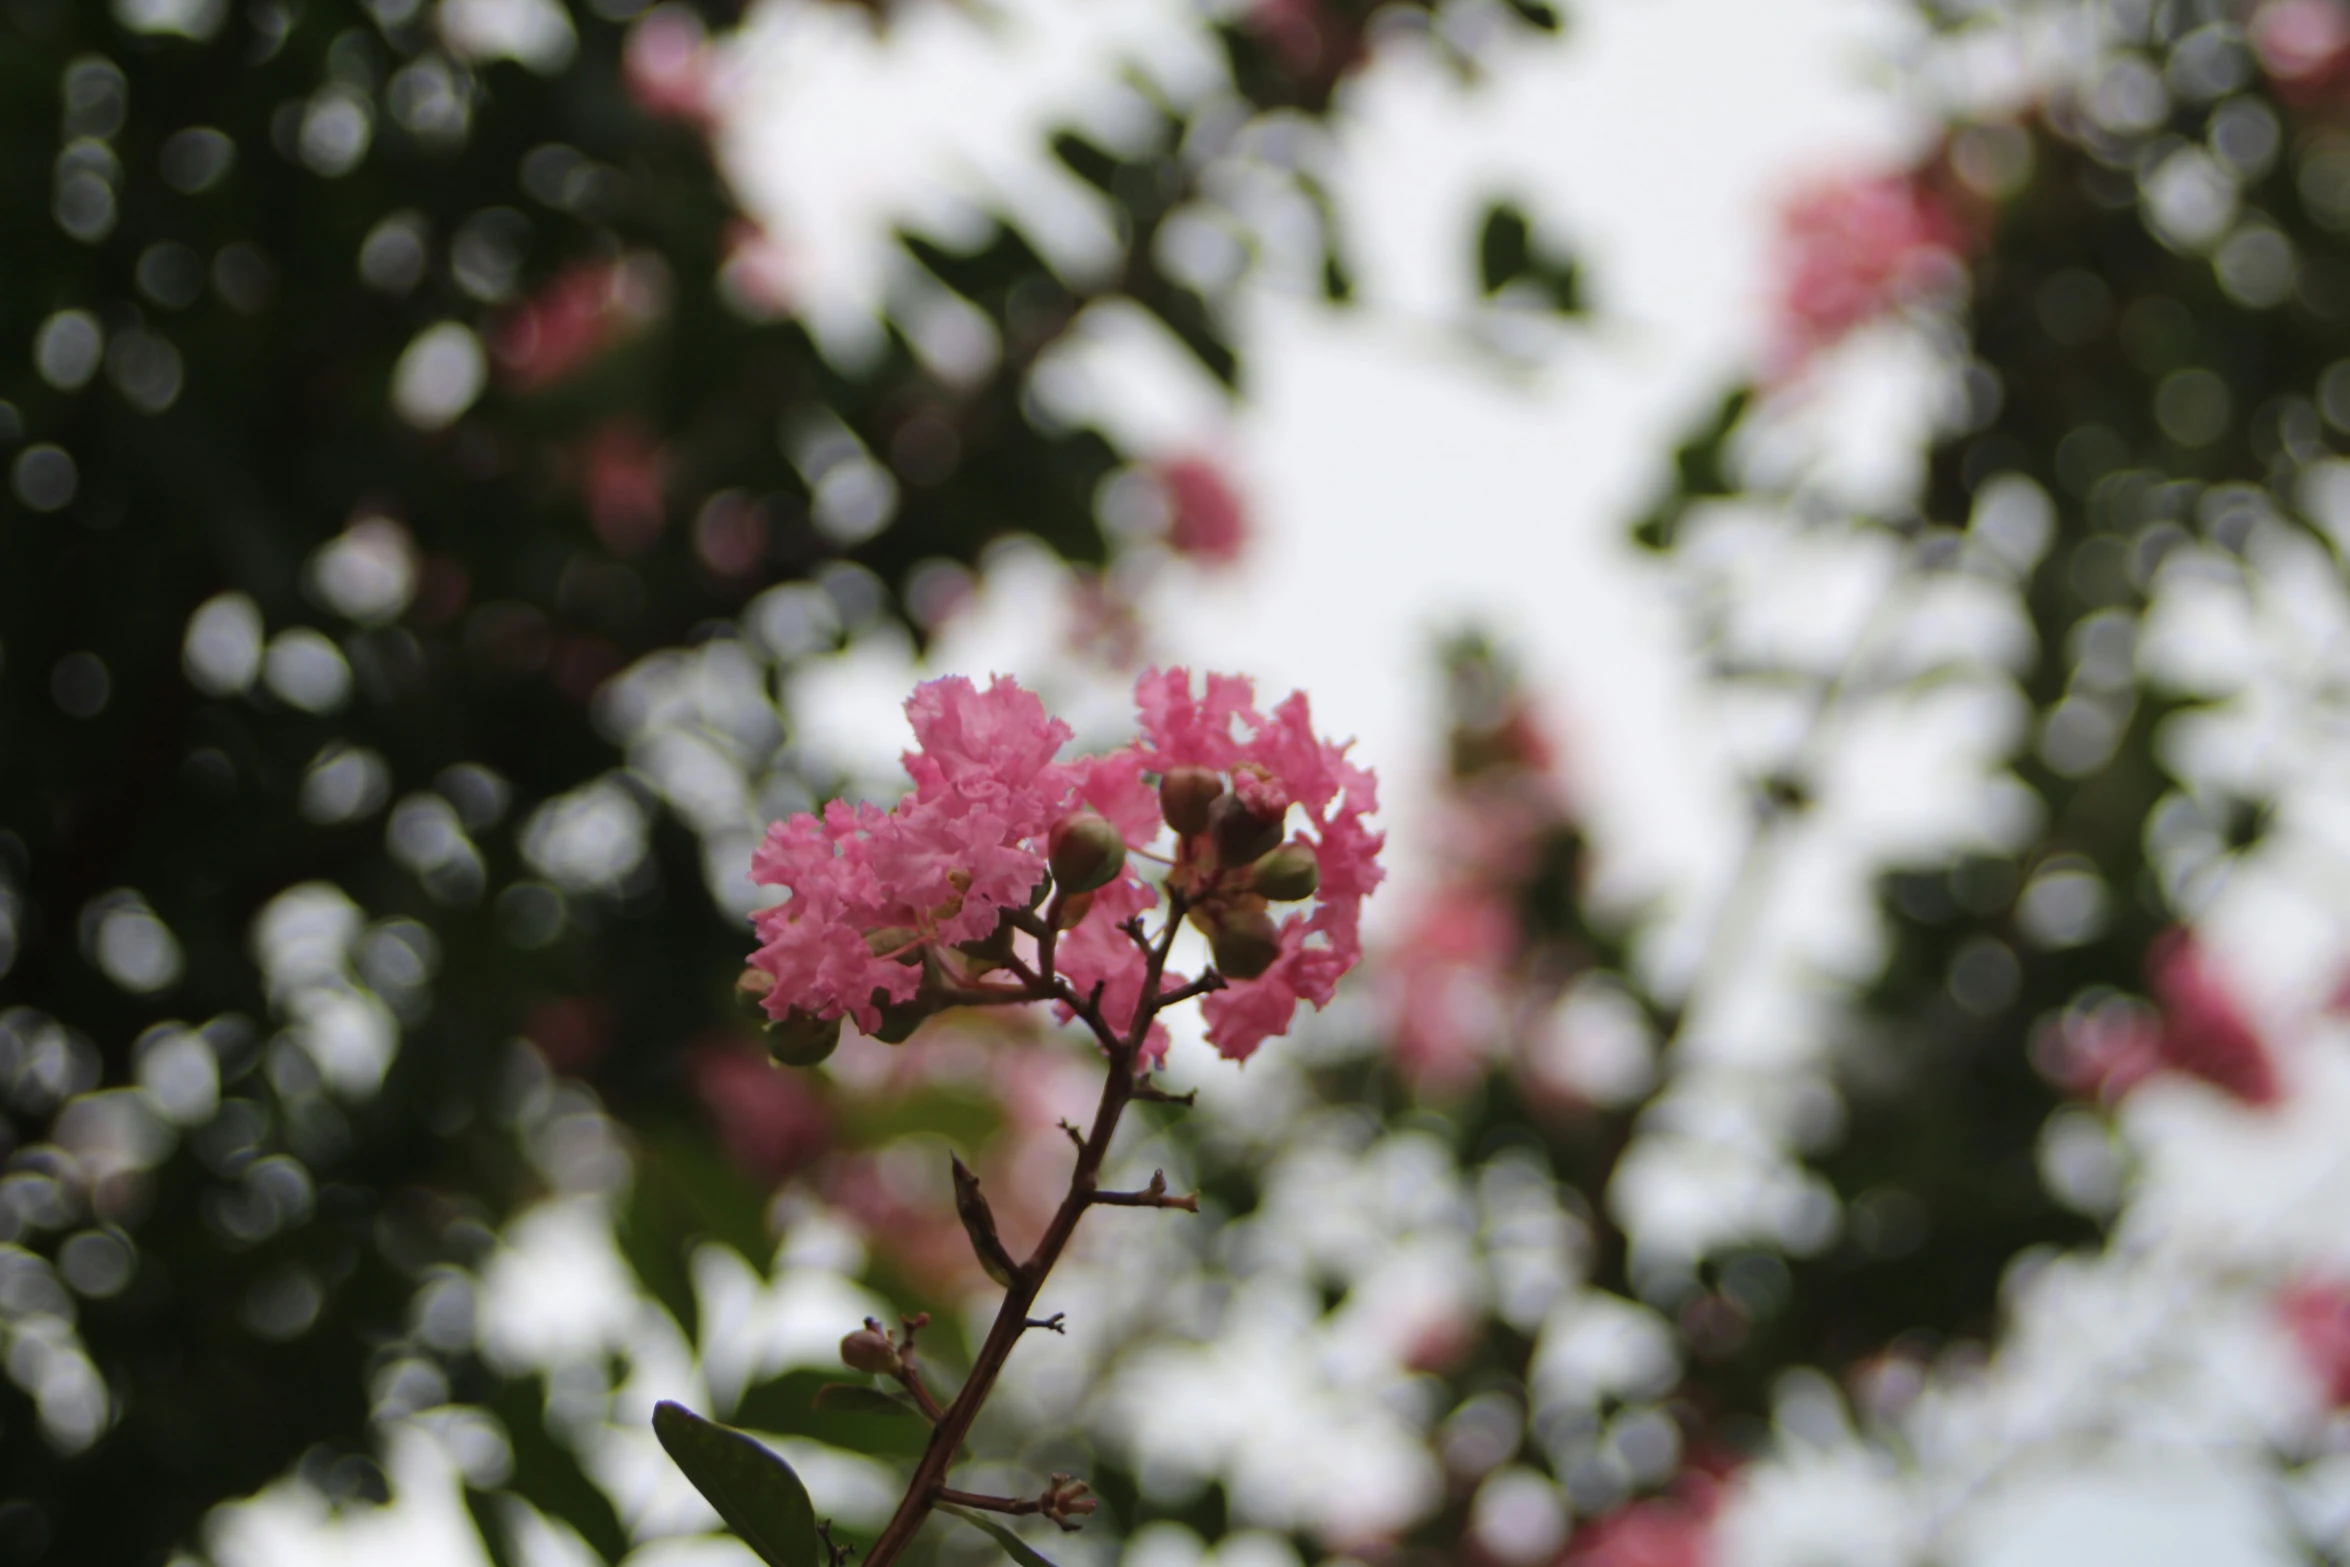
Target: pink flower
{"x": 1675, "y": 1530}
{"x": 1448, "y": 980}
{"x": 2205, "y": 1033}
{"x": 1209, "y": 524}
{"x": 1852, "y": 250}
{"x": 667, "y": 65}
{"x": 2200, "y": 1031}
{"x": 758, "y": 273}
{"x": 1278, "y": 761}
{"x": 2300, "y": 42}
{"x": 570, "y": 322}
{"x": 770, "y": 1123}
{"x": 876, "y": 896}
{"x": 997, "y": 745}
{"x": 622, "y": 471}
{"x": 2317, "y": 1313}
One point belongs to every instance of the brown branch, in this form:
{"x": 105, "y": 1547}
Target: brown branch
{"x": 1151, "y": 1196}
{"x": 1013, "y": 1319}
{"x": 1206, "y": 984}
{"x": 991, "y": 1504}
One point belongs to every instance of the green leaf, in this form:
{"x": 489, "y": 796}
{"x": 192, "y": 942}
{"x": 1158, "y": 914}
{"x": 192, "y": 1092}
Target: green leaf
{"x": 1504, "y": 247}
{"x": 849, "y": 1398}
{"x": 809, "y": 1404}
{"x": 483, "y": 1505}
{"x": 1018, "y": 1549}
{"x": 756, "y": 1492}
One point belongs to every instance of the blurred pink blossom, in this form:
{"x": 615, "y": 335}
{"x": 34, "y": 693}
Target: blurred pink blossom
{"x": 770, "y": 1123}
{"x": 2200, "y": 1030}
{"x": 669, "y": 66}
{"x": 2317, "y": 1313}
{"x": 1208, "y": 524}
{"x": 2301, "y": 42}
{"x": 570, "y": 322}
{"x": 1854, "y": 249}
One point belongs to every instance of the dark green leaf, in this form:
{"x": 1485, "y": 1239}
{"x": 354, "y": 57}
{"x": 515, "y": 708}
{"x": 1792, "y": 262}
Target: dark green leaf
{"x": 810, "y": 1404}
{"x": 1504, "y": 247}
{"x": 1018, "y": 1549}
{"x": 849, "y": 1398}
{"x": 483, "y": 1505}
{"x": 756, "y": 1492}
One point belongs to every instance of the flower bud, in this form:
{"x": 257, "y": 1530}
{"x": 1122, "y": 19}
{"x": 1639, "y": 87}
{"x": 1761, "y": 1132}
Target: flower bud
{"x": 901, "y": 942}
{"x": 1242, "y": 836}
{"x": 754, "y": 984}
{"x": 899, "y": 1019}
{"x": 1086, "y": 852}
{"x": 1288, "y": 874}
{"x": 870, "y": 1351}
{"x": 1244, "y": 943}
{"x": 1185, "y": 794}
{"x": 1073, "y": 910}
{"x": 802, "y": 1039}
{"x": 990, "y": 951}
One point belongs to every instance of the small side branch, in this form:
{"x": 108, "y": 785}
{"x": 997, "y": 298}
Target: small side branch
{"x": 1206, "y": 984}
{"x": 1056, "y": 1323}
{"x": 1151, "y": 1093}
{"x": 1016, "y": 1506}
{"x": 836, "y": 1552}
{"x": 1151, "y": 1196}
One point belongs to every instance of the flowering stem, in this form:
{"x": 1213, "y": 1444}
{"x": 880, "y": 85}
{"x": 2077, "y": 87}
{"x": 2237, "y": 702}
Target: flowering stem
{"x": 928, "y": 1487}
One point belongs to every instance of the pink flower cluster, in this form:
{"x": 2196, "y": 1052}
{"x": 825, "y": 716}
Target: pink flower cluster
{"x": 1853, "y": 249}
{"x": 2200, "y": 1031}
{"x": 881, "y": 898}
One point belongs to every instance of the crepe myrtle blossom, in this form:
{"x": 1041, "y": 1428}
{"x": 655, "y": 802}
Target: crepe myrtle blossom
{"x": 1008, "y": 876}
{"x": 936, "y": 901}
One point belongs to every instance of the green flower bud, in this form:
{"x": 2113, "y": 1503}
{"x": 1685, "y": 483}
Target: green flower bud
{"x": 1185, "y": 794}
{"x": 1086, "y": 852}
{"x": 1288, "y": 874}
{"x": 1073, "y": 910}
{"x": 1245, "y": 942}
{"x": 899, "y": 1019}
{"x": 1242, "y": 836}
{"x": 800, "y": 1039}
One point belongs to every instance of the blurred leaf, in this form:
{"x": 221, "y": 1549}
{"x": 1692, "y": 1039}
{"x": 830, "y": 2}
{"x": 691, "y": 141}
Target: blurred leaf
{"x": 1536, "y": 14}
{"x": 804, "y": 1403}
{"x": 1699, "y": 473}
{"x": 849, "y": 1398}
{"x": 1086, "y": 160}
{"x": 1504, "y": 247}
{"x": 549, "y": 1477}
{"x": 963, "y": 1118}
{"x": 1018, "y": 1549}
{"x": 757, "y": 1493}
{"x": 483, "y": 1507}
